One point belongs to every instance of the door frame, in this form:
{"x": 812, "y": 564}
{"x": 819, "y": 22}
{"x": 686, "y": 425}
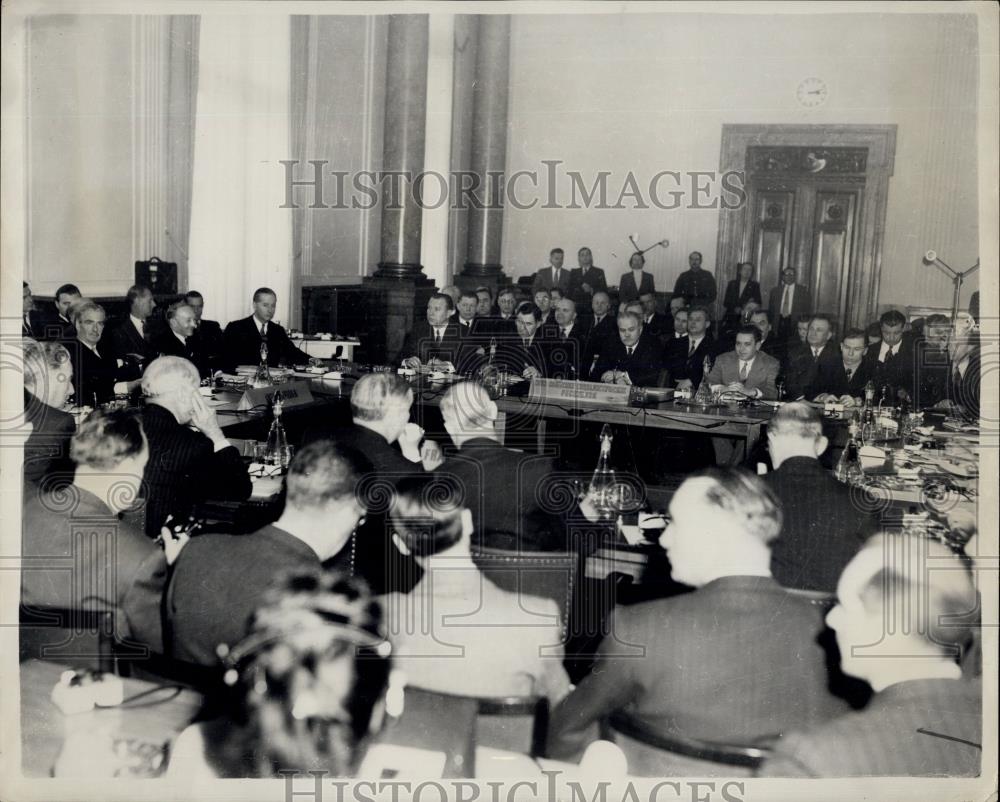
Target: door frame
{"x": 734, "y": 244}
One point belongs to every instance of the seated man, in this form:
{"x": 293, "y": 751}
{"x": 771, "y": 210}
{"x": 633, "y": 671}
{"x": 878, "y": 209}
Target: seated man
{"x": 680, "y": 327}
{"x": 734, "y": 661}
{"x": 525, "y": 354}
{"x": 932, "y": 361}
{"x": 242, "y": 339}
{"x": 219, "y": 580}
{"x": 804, "y": 363}
{"x": 506, "y": 304}
{"x": 48, "y": 382}
{"x": 603, "y": 328}
{"x": 129, "y": 341}
{"x": 770, "y": 343}
{"x": 208, "y": 333}
{"x": 82, "y": 556}
{"x": 634, "y": 357}
{"x": 843, "y": 380}
{"x": 925, "y": 720}
{"x": 58, "y": 325}
{"x": 653, "y": 322}
{"x": 891, "y": 361}
{"x": 504, "y": 488}
{"x": 456, "y": 631}
{"x": 179, "y": 339}
{"x": 686, "y": 357}
{"x": 745, "y": 369}
{"x": 99, "y": 375}
{"x": 822, "y": 528}
{"x": 567, "y": 350}
{"x": 185, "y": 467}
{"x": 434, "y": 340}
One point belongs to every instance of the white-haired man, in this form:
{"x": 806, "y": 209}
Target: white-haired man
{"x": 186, "y": 466}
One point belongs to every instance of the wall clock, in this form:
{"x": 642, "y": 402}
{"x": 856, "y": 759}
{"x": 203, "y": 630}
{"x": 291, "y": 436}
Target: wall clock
{"x": 812, "y": 92}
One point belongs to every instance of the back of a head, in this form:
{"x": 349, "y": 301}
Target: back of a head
{"x": 427, "y": 513}
{"x": 746, "y": 502}
{"x": 468, "y": 407}
{"x": 39, "y": 359}
{"x": 168, "y": 373}
{"x": 105, "y": 439}
{"x": 307, "y": 680}
{"x": 796, "y": 420}
{"x": 376, "y": 393}
{"x": 324, "y": 472}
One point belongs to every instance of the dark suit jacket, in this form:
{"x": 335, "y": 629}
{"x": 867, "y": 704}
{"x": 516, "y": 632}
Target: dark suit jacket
{"x": 684, "y": 366}
{"x": 133, "y": 350}
{"x": 544, "y": 280}
{"x": 801, "y": 303}
{"x": 734, "y": 661}
{"x": 566, "y": 355}
{"x": 734, "y": 297}
{"x": 776, "y": 347}
{"x": 822, "y": 528}
{"x": 219, "y": 580}
{"x": 37, "y": 329}
{"x": 505, "y": 490}
{"x": 115, "y": 563}
{"x": 46, "y": 451}
{"x": 964, "y": 390}
{"x": 208, "y": 340}
{"x": 897, "y": 373}
{"x": 917, "y": 728}
{"x": 241, "y": 342}
{"x": 698, "y": 286}
{"x": 594, "y": 277}
{"x": 627, "y": 291}
{"x": 55, "y": 328}
{"x": 184, "y": 470}
{"x": 93, "y": 375}
{"x": 514, "y": 357}
{"x": 660, "y": 326}
{"x": 420, "y": 343}
{"x": 644, "y": 366}
{"x": 167, "y": 344}
{"x": 599, "y": 334}
{"x": 803, "y": 369}
{"x": 831, "y": 377}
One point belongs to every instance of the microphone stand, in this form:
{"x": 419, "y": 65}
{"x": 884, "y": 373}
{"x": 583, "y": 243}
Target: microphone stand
{"x": 956, "y": 276}
{"x": 665, "y": 243}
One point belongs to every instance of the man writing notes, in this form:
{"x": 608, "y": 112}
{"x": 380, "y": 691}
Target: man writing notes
{"x": 746, "y": 369}
{"x": 635, "y": 357}
{"x": 435, "y": 340}
{"x": 242, "y": 339}
{"x": 696, "y": 284}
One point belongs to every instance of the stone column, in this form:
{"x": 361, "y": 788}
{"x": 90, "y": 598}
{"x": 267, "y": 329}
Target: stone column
{"x": 489, "y": 148}
{"x": 403, "y": 148}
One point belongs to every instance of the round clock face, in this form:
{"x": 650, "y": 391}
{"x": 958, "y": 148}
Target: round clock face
{"x": 812, "y": 92}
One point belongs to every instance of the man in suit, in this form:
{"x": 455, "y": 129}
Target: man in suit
{"x": 804, "y": 364}
{"x": 186, "y": 467}
{"x": 846, "y": 377}
{"x": 435, "y": 339}
{"x": 179, "y": 339}
{"x": 770, "y": 344}
{"x": 653, "y": 322}
{"x": 48, "y": 382}
{"x": 891, "y": 360}
{"x": 636, "y": 282}
{"x": 31, "y": 322}
{"x": 129, "y": 341}
{"x": 586, "y": 280}
{"x": 219, "y": 580}
{"x": 466, "y": 317}
{"x": 696, "y": 284}
{"x": 242, "y": 339}
{"x": 686, "y": 357}
{"x": 680, "y": 327}
{"x": 208, "y": 333}
{"x": 741, "y": 289}
{"x": 555, "y": 275}
{"x": 570, "y": 342}
{"x": 526, "y": 354}
{"x": 456, "y": 632}
{"x": 505, "y": 320}
{"x": 58, "y": 324}
{"x": 931, "y": 362}
{"x": 745, "y": 369}
{"x": 925, "y": 719}
{"x": 822, "y": 528}
{"x": 99, "y": 375}
{"x": 603, "y": 326}
{"x": 787, "y": 302}
{"x": 635, "y": 357}
{"x": 112, "y": 565}
{"x": 734, "y": 661}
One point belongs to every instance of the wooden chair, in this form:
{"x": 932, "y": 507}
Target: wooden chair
{"x": 666, "y": 754}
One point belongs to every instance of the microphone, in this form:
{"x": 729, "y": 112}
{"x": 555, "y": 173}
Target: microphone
{"x": 930, "y": 256}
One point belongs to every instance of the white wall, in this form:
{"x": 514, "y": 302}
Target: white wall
{"x": 651, "y": 92}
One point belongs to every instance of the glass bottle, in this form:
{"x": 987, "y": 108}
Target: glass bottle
{"x": 849, "y": 470}
{"x": 262, "y": 378}
{"x": 704, "y": 395}
{"x": 488, "y": 374}
{"x": 276, "y": 450}
{"x": 602, "y": 484}
{"x": 868, "y": 416}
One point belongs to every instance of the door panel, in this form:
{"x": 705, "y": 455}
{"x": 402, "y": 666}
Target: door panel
{"x": 830, "y": 263}
{"x": 772, "y": 240}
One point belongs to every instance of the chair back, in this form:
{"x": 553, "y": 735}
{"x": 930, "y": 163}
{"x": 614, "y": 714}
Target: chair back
{"x": 514, "y": 723}
{"x": 545, "y": 574}
{"x": 676, "y": 754}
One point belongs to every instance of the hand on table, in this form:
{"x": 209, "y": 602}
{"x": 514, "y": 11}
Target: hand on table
{"x": 431, "y": 455}
{"x": 411, "y": 363}
{"x": 531, "y": 372}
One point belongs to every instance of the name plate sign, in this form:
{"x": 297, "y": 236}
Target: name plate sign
{"x": 293, "y": 394}
{"x": 589, "y": 392}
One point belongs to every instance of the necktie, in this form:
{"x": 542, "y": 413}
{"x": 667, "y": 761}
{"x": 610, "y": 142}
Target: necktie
{"x": 629, "y": 350}
{"x": 555, "y": 276}
{"x": 526, "y": 343}
{"x": 691, "y": 347}
{"x": 27, "y": 325}
{"x": 437, "y": 336}
{"x": 850, "y": 373}
{"x": 744, "y": 371}
{"x": 263, "y": 331}
{"x": 786, "y": 301}
{"x": 815, "y": 353}
{"x": 888, "y": 357}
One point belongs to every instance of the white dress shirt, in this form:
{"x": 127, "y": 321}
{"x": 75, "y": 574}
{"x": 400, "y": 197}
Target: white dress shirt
{"x": 787, "y": 300}
{"x": 886, "y": 349}
{"x": 140, "y": 326}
